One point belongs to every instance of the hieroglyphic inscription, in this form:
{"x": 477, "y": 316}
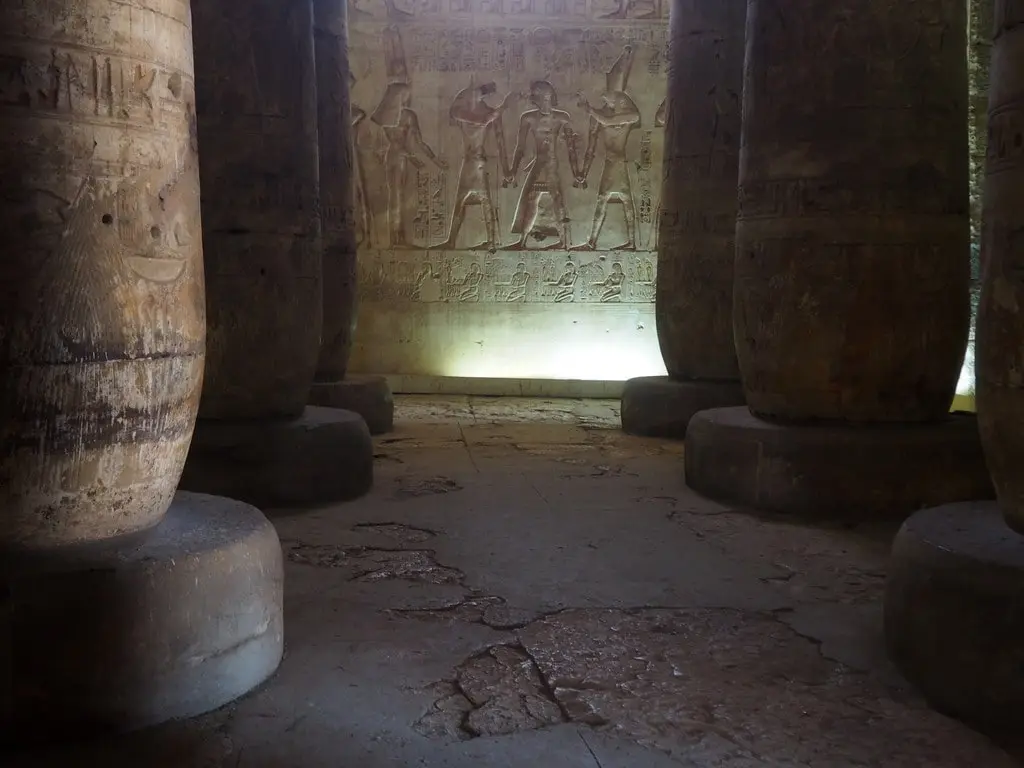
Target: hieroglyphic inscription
{"x": 513, "y": 146}
{"x": 73, "y": 82}
{"x": 476, "y": 276}
{"x": 797, "y": 197}
{"x": 1005, "y": 137}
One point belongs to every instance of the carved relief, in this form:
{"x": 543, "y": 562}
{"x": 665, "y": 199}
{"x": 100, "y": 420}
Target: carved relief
{"x": 479, "y": 154}
{"x": 613, "y": 122}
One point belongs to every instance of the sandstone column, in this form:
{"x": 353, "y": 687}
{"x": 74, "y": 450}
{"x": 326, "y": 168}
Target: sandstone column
{"x": 256, "y": 101}
{"x": 369, "y": 396}
{"x": 851, "y": 301}
{"x": 954, "y": 609}
{"x": 696, "y": 245}
{"x": 115, "y": 588}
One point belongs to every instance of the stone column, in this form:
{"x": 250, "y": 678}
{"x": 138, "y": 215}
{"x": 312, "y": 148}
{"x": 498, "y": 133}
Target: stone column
{"x": 369, "y": 396}
{"x": 114, "y": 587}
{"x": 256, "y": 100}
{"x": 696, "y": 245}
{"x": 851, "y": 299}
{"x": 954, "y": 605}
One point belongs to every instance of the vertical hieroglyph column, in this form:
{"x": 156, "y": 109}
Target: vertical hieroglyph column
{"x": 851, "y": 296}
{"x": 955, "y": 586}
{"x": 696, "y": 243}
{"x": 114, "y": 587}
{"x": 257, "y": 114}
{"x": 369, "y": 396}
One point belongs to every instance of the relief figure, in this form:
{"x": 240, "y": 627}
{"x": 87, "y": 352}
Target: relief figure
{"x": 364, "y": 215}
{"x": 428, "y": 285}
{"x": 611, "y": 286}
{"x": 517, "y": 283}
{"x": 401, "y": 128}
{"x": 469, "y": 288}
{"x": 565, "y": 285}
{"x": 477, "y": 120}
{"x": 614, "y": 122}
{"x": 544, "y": 126}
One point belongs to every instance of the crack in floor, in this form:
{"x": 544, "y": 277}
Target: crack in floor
{"x": 376, "y": 563}
{"x": 721, "y": 686}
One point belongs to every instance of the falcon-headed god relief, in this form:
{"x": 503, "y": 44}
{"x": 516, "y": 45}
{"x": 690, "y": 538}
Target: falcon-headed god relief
{"x": 401, "y": 128}
{"x": 612, "y": 122}
{"x": 477, "y": 120}
{"x": 544, "y": 126}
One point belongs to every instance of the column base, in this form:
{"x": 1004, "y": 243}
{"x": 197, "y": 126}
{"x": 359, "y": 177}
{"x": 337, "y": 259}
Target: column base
{"x": 659, "y": 406}
{"x": 835, "y": 471}
{"x": 954, "y": 613}
{"x": 110, "y": 637}
{"x": 324, "y": 456}
{"x": 369, "y": 396}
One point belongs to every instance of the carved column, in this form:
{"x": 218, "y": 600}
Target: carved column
{"x": 851, "y": 301}
{"x": 956, "y": 583}
{"x": 369, "y": 396}
{"x": 696, "y": 245}
{"x": 257, "y": 123}
{"x": 111, "y": 613}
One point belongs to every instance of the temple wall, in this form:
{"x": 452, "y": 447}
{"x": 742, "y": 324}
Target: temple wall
{"x": 440, "y": 71}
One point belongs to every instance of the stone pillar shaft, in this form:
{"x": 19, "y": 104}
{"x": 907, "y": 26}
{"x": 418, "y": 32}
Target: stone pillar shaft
{"x": 1000, "y": 353}
{"x": 337, "y": 187}
{"x": 696, "y": 245}
{"x": 256, "y": 95}
{"x": 101, "y": 273}
{"x": 852, "y": 270}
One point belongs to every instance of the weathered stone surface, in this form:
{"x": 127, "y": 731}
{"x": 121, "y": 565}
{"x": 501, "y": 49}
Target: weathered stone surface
{"x": 852, "y": 266}
{"x": 101, "y": 276}
{"x": 109, "y": 637}
{"x": 832, "y": 471}
{"x": 375, "y": 563}
{"x": 954, "y": 612}
{"x": 324, "y": 456}
{"x": 660, "y": 406}
{"x": 1000, "y": 351}
{"x": 717, "y": 688}
{"x": 256, "y": 97}
{"x": 696, "y": 237}
{"x": 369, "y": 396}
{"x": 337, "y": 190}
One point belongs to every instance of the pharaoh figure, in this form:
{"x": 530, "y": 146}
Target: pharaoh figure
{"x": 477, "y": 120}
{"x": 401, "y": 128}
{"x": 364, "y": 220}
{"x": 545, "y": 126}
{"x": 613, "y": 121}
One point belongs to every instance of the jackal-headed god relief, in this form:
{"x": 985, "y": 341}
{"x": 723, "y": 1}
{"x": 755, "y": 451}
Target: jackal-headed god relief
{"x": 508, "y": 159}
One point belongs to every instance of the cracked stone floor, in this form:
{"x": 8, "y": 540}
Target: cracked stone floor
{"x": 527, "y": 586}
